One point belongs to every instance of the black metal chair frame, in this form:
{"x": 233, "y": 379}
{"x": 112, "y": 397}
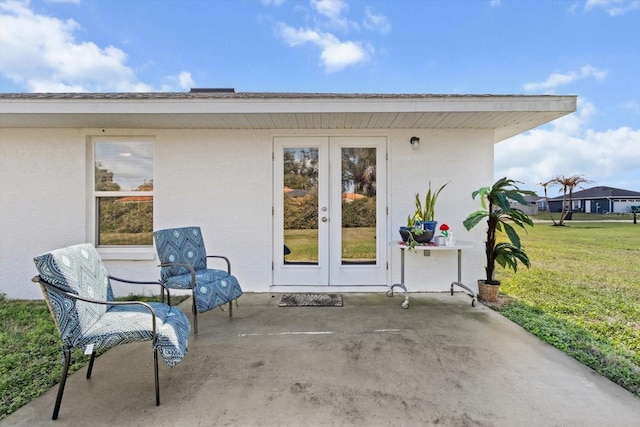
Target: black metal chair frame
{"x": 67, "y": 350}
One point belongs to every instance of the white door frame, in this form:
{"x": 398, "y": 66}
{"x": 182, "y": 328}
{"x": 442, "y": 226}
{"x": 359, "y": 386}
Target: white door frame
{"x": 330, "y": 273}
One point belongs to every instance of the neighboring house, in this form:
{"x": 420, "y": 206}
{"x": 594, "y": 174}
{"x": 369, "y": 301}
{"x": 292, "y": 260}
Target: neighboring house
{"x": 221, "y": 159}
{"x": 599, "y": 200}
{"x": 531, "y": 208}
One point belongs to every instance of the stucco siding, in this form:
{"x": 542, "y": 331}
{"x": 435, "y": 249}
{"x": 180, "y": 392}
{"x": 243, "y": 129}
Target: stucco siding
{"x": 42, "y": 200}
{"x": 465, "y": 160}
{"x": 222, "y": 181}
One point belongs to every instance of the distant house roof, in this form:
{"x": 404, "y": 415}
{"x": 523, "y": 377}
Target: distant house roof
{"x": 602, "y": 193}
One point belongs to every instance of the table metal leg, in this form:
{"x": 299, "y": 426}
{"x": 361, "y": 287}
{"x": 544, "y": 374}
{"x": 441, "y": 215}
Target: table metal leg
{"x": 405, "y": 303}
{"x": 459, "y": 282}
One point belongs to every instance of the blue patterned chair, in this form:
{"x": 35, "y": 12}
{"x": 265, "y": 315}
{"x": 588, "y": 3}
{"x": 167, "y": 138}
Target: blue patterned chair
{"x": 183, "y": 262}
{"x": 78, "y": 292}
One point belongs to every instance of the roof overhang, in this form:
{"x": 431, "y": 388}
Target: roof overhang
{"x": 507, "y": 115}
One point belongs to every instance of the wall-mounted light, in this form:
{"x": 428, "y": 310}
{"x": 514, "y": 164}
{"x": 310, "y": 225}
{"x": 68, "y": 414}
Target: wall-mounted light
{"x": 415, "y": 142}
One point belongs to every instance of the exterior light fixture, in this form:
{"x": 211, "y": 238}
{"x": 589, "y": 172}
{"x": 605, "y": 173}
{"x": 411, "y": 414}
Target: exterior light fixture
{"x": 415, "y": 142}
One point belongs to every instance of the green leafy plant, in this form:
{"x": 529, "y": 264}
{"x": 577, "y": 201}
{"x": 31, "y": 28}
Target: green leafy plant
{"x": 501, "y": 216}
{"x": 427, "y": 211}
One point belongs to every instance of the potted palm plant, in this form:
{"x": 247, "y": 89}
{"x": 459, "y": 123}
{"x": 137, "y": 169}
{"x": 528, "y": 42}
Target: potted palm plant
{"x": 501, "y": 217}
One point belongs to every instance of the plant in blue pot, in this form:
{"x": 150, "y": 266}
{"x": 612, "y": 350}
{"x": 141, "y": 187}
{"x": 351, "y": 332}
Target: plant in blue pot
{"x": 426, "y": 211}
{"x": 421, "y": 225}
{"x": 413, "y": 234}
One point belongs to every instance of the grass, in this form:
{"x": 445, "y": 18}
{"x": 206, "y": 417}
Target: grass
{"x": 359, "y": 243}
{"x": 31, "y": 360}
{"x": 579, "y": 216}
{"x": 582, "y": 295}
{"x": 115, "y": 239}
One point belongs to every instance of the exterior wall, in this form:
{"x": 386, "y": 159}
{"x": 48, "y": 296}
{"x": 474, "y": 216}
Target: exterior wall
{"x": 555, "y": 206}
{"x": 529, "y": 209}
{"x": 600, "y": 205}
{"x": 222, "y": 181}
{"x": 465, "y": 160}
{"x": 625, "y": 206}
{"x": 42, "y": 201}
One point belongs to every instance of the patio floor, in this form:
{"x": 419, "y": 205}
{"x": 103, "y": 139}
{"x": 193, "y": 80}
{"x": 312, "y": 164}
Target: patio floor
{"x": 369, "y": 363}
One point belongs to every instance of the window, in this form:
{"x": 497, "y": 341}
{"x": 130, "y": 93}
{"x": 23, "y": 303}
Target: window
{"x": 123, "y": 192}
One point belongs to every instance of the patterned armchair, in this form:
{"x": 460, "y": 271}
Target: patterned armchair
{"x": 78, "y": 292}
{"x": 183, "y": 265}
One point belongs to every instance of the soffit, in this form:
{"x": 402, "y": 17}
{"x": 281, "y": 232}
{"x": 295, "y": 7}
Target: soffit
{"x": 506, "y": 115}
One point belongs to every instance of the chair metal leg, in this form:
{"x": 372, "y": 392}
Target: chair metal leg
{"x": 90, "y": 368}
{"x": 155, "y": 368}
{"x": 230, "y": 308}
{"x": 194, "y": 310}
{"x": 63, "y": 380}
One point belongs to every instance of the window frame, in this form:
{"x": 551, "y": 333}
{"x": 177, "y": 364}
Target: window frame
{"x": 115, "y": 252}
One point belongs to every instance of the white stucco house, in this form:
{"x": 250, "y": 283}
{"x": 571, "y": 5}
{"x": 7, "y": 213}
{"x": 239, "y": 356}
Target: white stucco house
{"x": 222, "y": 160}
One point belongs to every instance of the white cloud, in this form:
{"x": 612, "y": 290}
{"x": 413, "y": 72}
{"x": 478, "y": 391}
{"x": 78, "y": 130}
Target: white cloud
{"x": 332, "y": 9}
{"x": 610, "y": 157}
{"x": 41, "y": 53}
{"x": 376, "y": 22}
{"x": 613, "y": 7}
{"x": 560, "y": 79}
{"x": 183, "y": 81}
{"x": 335, "y": 54}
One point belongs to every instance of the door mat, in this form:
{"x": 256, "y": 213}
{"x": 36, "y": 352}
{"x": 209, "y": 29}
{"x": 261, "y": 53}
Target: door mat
{"x": 311, "y": 300}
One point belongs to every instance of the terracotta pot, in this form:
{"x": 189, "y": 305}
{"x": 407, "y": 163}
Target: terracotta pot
{"x": 488, "y": 292}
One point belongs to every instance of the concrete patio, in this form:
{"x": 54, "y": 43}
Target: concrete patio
{"x": 369, "y": 363}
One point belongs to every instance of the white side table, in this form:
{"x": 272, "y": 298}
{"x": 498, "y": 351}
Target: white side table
{"x": 458, "y": 246}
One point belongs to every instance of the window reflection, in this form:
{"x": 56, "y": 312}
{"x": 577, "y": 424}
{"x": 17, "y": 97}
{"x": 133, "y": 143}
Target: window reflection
{"x": 123, "y": 166}
{"x": 123, "y": 176}
{"x": 358, "y": 205}
{"x": 300, "y": 193}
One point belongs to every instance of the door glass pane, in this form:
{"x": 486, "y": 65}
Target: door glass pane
{"x": 300, "y": 205}
{"x": 358, "y": 205}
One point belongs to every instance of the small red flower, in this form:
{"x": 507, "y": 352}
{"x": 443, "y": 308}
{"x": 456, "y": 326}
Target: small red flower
{"x": 444, "y": 229}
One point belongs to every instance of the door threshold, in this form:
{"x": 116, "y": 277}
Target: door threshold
{"x": 326, "y": 289}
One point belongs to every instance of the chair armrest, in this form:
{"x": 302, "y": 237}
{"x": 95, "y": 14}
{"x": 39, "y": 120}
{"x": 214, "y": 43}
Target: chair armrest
{"x": 224, "y": 258}
{"x": 138, "y": 282}
{"x": 54, "y": 288}
{"x": 180, "y": 264}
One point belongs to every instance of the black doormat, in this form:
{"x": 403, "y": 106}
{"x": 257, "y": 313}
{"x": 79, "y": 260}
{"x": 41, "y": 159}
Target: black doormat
{"x": 311, "y": 300}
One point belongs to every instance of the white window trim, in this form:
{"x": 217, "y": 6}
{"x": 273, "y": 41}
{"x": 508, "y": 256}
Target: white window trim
{"x": 113, "y": 253}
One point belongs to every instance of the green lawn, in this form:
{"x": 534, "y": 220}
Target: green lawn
{"x": 578, "y": 216}
{"x": 358, "y": 243}
{"x": 582, "y": 294}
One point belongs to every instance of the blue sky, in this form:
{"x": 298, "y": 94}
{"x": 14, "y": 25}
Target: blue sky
{"x": 589, "y": 48}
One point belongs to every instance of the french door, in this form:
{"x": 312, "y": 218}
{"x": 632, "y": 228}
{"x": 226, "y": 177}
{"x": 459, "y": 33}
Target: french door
{"x": 330, "y": 211}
